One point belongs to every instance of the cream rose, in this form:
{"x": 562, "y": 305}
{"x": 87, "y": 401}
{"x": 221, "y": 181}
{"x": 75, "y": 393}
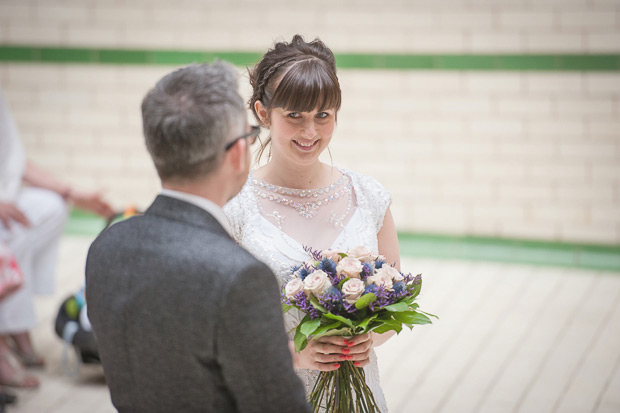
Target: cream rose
{"x": 392, "y": 272}
{"x": 333, "y": 255}
{"x": 362, "y": 253}
{"x": 381, "y": 278}
{"x": 293, "y": 287}
{"x": 351, "y": 267}
{"x": 353, "y": 289}
{"x": 317, "y": 282}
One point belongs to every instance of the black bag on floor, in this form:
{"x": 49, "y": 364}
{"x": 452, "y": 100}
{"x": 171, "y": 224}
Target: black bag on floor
{"x": 73, "y": 327}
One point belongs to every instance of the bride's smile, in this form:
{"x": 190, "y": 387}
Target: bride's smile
{"x": 306, "y": 145}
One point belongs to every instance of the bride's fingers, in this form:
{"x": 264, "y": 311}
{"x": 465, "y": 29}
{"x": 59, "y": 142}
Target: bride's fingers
{"x": 329, "y": 358}
{"x": 326, "y": 366}
{"x": 359, "y": 356}
{"x": 359, "y": 348}
{"x": 335, "y": 340}
{"x": 310, "y": 359}
{"x": 356, "y": 340}
{"x": 327, "y": 348}
{"x": 362, "y": 363}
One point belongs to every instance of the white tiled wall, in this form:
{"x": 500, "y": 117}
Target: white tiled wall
{"x": 510, "y": 154}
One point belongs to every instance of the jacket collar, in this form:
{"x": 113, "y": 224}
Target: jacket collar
{"x": 185, "y": 212}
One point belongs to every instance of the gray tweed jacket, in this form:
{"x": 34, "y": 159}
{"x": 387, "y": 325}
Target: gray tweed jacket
{"x": 185, "y": 319}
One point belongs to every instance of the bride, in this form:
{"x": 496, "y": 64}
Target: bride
{"x": 296, "y": 201}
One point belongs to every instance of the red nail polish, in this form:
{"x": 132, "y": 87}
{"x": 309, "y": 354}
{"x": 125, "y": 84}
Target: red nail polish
{"x": 343, "y": 357}
{"x": 337, "y": 365}
{"x": 349, "y": 344}
{"x": 346, "y": 350}
{"x": 357, "y": 364}
{"x": 346, "y": 342}
{"x": 349, "y": 357}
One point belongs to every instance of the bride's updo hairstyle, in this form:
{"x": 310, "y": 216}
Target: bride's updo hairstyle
{"x": 296, "y": 76}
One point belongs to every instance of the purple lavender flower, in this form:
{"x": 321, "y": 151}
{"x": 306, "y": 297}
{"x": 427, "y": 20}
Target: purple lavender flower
{"x": 349, "y": 307}
{"x": 367, "y": 271}
{"x": 316, "y": 254}
{"x": 301, "y": 301}
{"x": 383, "y": 298}
{"x": 332, "y": 301}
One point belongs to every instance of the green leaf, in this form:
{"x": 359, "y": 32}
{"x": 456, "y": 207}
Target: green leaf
{"x": 412, "y": 318}
{"x": 364, "y": 323}
{"x": 397, "y": 307}
{"x": 384, "y": 316}
{"x": 286, "y": 307}
{"x": 322, "y": 330}
{"x": 365, "y": 301}
{"x": 416, "y": 289}
{"x": 339, "y": 318}
{"x": 309, "y": 327}
{"x": 332, "y": 330}
{"x": 315, "y": 303}
{"x": 344, "y": 331}
{"x": 432, "y": 315}
{"x": 409, "y": 300}
{"x": 388, "y": 326}
{"x": 342, "y": 282}
{"x": 300, "y": 341}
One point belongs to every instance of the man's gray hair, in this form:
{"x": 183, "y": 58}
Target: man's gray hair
{"x": 189, "y": 116}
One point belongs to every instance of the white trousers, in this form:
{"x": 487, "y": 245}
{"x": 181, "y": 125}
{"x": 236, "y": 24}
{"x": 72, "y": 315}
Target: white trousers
{"x": 35, "y": 249}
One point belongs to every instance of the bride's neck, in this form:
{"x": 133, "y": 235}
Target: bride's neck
{"x": 313, "y": 176}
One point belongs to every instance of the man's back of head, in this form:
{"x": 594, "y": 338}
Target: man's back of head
{"x": 189, "y": 116}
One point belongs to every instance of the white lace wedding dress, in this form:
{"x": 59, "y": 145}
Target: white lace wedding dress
{"x": 351, "y": 213}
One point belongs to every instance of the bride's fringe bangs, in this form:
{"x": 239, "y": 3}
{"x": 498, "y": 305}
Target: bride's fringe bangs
{"x": 306, "y": 86}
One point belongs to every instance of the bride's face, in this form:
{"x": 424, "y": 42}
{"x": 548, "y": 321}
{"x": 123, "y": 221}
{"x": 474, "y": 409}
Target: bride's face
{"x": 300, "y": 137}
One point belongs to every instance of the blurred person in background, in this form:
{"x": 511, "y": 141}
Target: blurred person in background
{"x": 33, "y": 212}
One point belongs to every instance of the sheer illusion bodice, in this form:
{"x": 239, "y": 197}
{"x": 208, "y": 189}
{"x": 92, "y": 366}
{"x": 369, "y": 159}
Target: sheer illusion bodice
{"x": 277, "y": 234}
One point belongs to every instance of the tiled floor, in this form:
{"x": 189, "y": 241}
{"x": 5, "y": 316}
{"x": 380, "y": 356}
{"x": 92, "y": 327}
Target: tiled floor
{"x": 510, "y": 338}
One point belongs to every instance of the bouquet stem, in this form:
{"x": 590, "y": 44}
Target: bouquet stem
{"x": 343, "y": 391}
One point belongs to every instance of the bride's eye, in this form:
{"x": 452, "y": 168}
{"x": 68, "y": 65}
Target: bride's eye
{"x": 322, "y": 115}
{"x": 294, "y": 115}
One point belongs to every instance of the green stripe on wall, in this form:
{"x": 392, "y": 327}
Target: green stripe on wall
{"x": 594, "y": 257}
{"x": 495, "y": 62}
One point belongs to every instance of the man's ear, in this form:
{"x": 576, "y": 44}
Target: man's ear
{"x": 237, "y": 155}
{"x": 262, "y": 112}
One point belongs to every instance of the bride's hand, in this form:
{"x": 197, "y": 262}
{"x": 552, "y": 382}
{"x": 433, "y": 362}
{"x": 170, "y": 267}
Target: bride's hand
{"x": 359, "y": 349}
{"x": 325, "y": 353}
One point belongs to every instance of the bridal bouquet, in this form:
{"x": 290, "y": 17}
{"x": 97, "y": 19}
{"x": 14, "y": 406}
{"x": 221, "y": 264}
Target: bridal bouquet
{"x": 347, "y": 294}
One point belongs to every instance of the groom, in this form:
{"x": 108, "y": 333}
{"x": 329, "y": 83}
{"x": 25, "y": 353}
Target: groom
{"x": 185, "y": 319}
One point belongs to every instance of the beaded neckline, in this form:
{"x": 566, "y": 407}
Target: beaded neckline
{"x": 303, "y": 193}
{"x": 308, "y": 208}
